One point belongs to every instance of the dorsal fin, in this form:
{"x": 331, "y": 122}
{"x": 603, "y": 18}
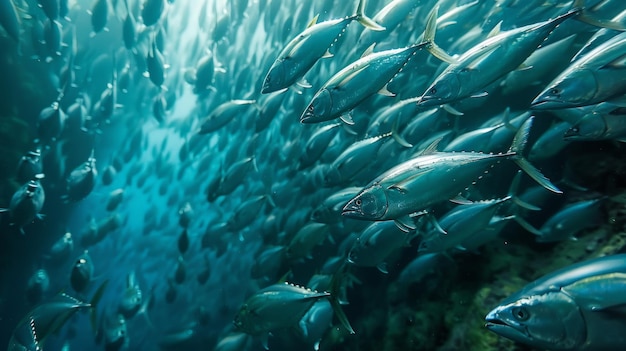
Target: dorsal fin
{"x": 313, "y": 21}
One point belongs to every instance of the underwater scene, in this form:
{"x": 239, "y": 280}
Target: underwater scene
{"x": 312, "y": 175}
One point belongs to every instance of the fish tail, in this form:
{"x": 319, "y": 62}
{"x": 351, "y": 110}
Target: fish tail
{"x": 584, "y": 15}
{"x": 93, "y": 317}
{"x": 364, "y": 19}
{"x": 429, "y": 38}
{"x": 517, "y": 147}
{"x": 335, "y": 287}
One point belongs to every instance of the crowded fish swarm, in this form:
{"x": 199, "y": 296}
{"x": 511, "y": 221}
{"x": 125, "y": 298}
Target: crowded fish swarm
{"x": 312, "y": 175}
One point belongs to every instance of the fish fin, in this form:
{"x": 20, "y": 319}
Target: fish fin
{"x": 432, "y": 148}
{"x": 436, "y": 224}
{"x": 405, "y": 224}
{"x": 328, "y": 54}
{"x": 382, "y": 267}
{"x": 460, "y": 200}
{"x": 517, "y": 147}
{"x": 523, "y": 67}
{"x": 480, "y": 95}
{"x": 347, "y": 119}
{"x": 385, "y": 92}
{"x": 93, "y": 318}
{"x": 495, "y": 30}
{"x": 429, "y": 38}
{"x": 529, "y": 227}
{"x": 367, "y": 22}
{"x": 369, "y": 50}
{"x": 304, "y": 83}
{"x": 584, "y": 16}
{"x": 397, "y": 137}
{"x": 313, "y": 21}
{"x": 451, "y": 110}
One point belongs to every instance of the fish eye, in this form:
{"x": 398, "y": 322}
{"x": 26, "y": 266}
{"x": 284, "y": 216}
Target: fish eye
{"x": 310, "y": 108}
{"x": 521, "y": 314}
{"x": 555, "y": 91}
{"x": 433, "y": 90}
{"x": 358, "y": 202}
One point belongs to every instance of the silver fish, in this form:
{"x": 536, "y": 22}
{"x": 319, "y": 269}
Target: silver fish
{"x": 593, "y": 78}
{"x": 301, "y": 53}
{"x": 408, "y": 187}
{"x": 488, "y": 61}
{"x": 574, "y": 308}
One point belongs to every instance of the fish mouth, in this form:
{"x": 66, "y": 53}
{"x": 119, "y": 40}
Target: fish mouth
{"x": 428, "y": 100}
{"x": 307, "y": 117}
{"x": 549, "y": 104}
{"x": 352, "y": 210}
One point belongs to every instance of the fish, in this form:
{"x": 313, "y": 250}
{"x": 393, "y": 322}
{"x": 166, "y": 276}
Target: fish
{"x": 488, "y": 61}
{"x": 591, "y": 79}
{"x": 29, "y": 167}
{"x": 9, "y": 20}
{"x": 225, "y": 113}
{"x": 129, "y": 29}
{"x": 573, "y": 308}
{"x": 46, "y": 319}
{"x": 99, "y": 16}
{"x": 181, "y": 271}
{"x": 26, "y": 204}
{"x": 185, "y": 214}
{"x": 61, "y": 249}
{"x": 280, "y": 306}
{"x": 115, "y": 199}
{"x": 82, "y": 272}
{"x": 113, "y": 332}
{"x": 204, "y": 275}
{"x": 570, "y": 220}
{"x": 38, "y": 284}
{"x": 303, "y": 51}
{"x": 151, "y": 11}
{"x": 357, "y": 81}
{"x": 406, "y": 189}
{"x": 376, "y": 243}
{"x": 604, "y": 122}
{"x": 81, "y": 180}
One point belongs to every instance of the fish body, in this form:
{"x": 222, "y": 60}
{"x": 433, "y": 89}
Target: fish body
{"x": 488, "y": 61}
{"x": 37, "y": 286}
{"x": 115, "y": 198}
{"x": 81, "y": 180}
{"x": 460, "y": 224}
{"x": 62, "y": 248}
{"x": 353, "y": 159}
{"x": 353, "y": 84}
{"x": 132, "y": 299}
{"x": 9, "y": 20}
{"x": 593, "y": 78}
{"x": 32, "y": 331}
{"x": 151, "y": 11}
{"x": 409, "y": 187}
{"x": 99, "y": 14}
{"x": 570, "y": 220}
{"x": 26, "y": 203}
{"x": 301, "y": 53}
{"x": 82, "y": 272}
{"x": 376, "y": 243}
{"x": 606, "y": 124}
{"x": 573, "y": 308}
{"x": 225, "y": 113}
{"x": 276, "y": 307}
